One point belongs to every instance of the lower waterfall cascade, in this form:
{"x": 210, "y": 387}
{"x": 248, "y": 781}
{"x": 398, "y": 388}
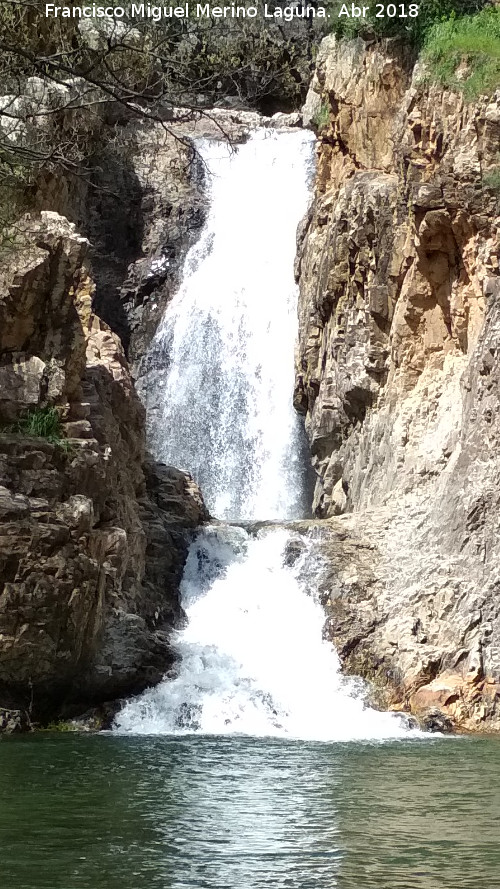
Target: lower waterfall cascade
{"x": 251, "y": 657}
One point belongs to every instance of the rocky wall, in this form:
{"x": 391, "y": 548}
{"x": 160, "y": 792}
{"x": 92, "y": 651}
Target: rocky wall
{"x": 93, "y": 534}
{"x": 396, "y": 367}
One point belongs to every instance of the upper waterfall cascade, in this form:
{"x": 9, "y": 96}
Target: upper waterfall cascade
{"x": 221, "y": 368}
{"x": 252, "y": 658}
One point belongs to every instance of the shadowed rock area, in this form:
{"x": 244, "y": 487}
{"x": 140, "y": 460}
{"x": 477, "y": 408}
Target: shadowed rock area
{"x": 93, "y": 534}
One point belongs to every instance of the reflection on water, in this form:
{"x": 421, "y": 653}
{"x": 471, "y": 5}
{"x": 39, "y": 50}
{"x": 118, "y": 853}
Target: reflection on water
{"x": 426, "y": 817}
{"x": 224, "y": 813}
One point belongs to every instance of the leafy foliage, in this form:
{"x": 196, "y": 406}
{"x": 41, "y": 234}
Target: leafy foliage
{"x": 464, "y": 54}
{"x": 61, "y": 78}
{"x": 413, "y": 30}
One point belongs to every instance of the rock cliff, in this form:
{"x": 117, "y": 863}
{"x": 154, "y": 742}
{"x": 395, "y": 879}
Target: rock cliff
{"x": 93, "y": 534}
{"x": 397, "y": 372}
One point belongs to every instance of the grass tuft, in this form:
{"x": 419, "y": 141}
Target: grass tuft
{"x": 42, "y": 422}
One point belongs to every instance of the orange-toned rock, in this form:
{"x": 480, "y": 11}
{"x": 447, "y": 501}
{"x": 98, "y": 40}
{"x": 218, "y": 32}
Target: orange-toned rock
{"x": 442, "y": 692}
{"x": 398, "y": 375}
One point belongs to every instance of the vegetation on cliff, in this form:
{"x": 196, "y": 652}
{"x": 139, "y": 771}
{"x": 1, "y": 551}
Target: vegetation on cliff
{"x": 69, "y": 83}
{"x": 414, "y": 29}
{"x": 464, "y": 53}
{"x": 41, "y": 422}
{"x": 459, "y": 41}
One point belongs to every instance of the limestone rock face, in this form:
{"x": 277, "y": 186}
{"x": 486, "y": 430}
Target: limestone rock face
{"x": 138, "y": 255}
{"x": 396, "y": 369}
{"x": 93, "y": 535}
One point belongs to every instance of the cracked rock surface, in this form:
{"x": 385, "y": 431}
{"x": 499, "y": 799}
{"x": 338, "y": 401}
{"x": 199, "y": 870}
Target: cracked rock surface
{"x": 93, "y": 534}
{"x": 398, "y": 369}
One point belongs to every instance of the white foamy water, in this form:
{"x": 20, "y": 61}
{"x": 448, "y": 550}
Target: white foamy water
{"x": 253, "y": 659}
{"x": 220, "y": 384}
{"x": 251, "y": 656}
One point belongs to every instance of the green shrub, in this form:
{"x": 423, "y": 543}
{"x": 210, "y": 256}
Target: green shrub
{"x": 62, "y": 726}
{"x": 464, "y": 54}
{"x": 41, "y": 422}
{"x": 491, "y": 179}
{"x": 321, "y": 118}
{"x": 412, "y": 30}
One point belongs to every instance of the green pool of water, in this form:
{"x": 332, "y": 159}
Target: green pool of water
{"x": 106, "y": 812}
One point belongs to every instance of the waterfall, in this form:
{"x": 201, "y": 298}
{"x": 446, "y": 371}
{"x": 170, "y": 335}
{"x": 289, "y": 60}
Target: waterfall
{"x": 251, "y": 656}
{"x": 220, "y": 378}
{"x": 253, "y": 660}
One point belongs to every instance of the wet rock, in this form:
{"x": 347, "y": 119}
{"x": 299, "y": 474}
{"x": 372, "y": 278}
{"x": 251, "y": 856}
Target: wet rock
{"x": 13, "y": 721}
{"x": 408, "y": 722}
{"x": 96, "y": 719}
{"x": 294, "y": 549}
{"x": 436, "y": 721}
